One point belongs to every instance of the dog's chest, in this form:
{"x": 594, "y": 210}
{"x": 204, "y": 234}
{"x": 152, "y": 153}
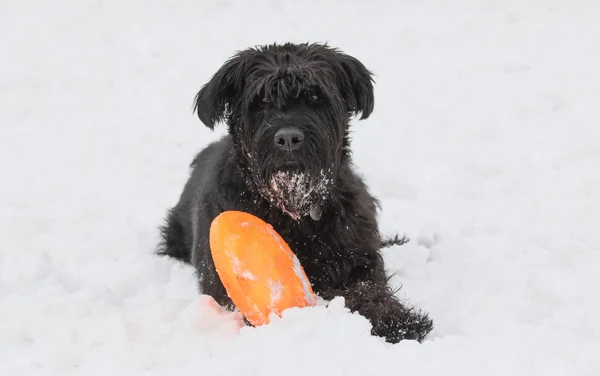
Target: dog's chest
{"x": 302, "y": 239}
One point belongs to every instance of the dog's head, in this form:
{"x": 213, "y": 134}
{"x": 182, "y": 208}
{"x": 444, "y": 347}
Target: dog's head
{"x": 287, "y": 108}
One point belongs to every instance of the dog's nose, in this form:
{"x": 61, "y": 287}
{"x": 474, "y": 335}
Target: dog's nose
{"x": 289, "y": 138}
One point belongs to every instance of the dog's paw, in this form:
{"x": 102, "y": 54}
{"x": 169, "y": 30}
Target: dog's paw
{"x": 404, "y": 326}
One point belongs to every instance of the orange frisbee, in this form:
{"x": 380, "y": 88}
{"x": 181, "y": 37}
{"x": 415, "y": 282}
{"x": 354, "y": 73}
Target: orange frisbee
{"x": 257, "y": 267}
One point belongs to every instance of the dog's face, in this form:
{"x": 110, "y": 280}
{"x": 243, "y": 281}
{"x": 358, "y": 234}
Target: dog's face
{"x": 288, "y": 108}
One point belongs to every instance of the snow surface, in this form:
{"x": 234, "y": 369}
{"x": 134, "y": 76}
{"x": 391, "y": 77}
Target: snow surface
{"x": 484, "y": 148}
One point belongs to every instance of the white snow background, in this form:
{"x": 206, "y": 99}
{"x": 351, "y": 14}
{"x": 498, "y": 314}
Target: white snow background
{"x": 484, "y": 148}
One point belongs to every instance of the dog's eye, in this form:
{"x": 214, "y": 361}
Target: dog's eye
{"x": 312, "y": 96}
{"x": 265, "y": 100}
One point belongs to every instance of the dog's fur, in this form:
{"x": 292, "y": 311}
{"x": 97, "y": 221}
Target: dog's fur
{"x": 311, "y": 196}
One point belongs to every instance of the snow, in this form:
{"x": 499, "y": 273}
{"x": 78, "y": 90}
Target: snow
{"x": 276, "y": 291}
{"x": 239, "y": 268}
{"x": 483, "y": 148}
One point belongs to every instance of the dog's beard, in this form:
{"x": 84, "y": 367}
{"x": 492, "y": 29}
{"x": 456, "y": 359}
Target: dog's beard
{"x": 297, "y": 193}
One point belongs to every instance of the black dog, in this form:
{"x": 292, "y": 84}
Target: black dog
{"x": 286, "y": 159}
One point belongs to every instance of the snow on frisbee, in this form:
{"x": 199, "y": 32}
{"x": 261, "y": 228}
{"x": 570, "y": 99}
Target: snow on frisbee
{"x": 257, "y": 267}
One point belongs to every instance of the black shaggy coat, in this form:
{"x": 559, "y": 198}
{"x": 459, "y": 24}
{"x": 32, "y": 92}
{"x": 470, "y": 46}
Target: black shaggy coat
{"x": 316, "y": 89}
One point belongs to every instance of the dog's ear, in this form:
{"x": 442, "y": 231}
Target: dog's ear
{"x": 215, "y": 100}
{"x": 356, "y": 82}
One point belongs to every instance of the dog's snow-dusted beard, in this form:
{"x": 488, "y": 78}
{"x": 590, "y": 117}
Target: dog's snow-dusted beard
{"x": 298, "y": 193}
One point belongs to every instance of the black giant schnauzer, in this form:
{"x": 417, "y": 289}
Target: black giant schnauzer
{"x": 286, "y": 159}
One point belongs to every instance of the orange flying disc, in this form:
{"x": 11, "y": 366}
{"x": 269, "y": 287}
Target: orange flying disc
{"x": 257, "y": 267}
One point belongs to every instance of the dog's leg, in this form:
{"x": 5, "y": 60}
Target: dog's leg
{"x": 366, "y": 291}
{"x": 390, "y": 318}
{"x": 209, "y": 282}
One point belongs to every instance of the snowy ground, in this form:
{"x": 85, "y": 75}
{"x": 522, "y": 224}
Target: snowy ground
{"x": 486, "y": 111}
